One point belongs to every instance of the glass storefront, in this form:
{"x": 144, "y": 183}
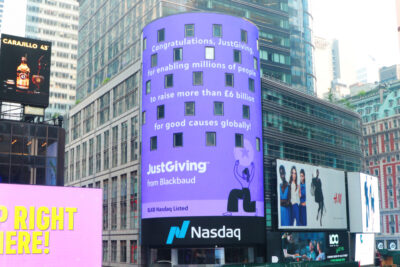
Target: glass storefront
{"x": 29, "y": 153}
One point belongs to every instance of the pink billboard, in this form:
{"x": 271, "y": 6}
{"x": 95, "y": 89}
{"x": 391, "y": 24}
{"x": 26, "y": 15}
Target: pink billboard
{"x": 50, "y": 226}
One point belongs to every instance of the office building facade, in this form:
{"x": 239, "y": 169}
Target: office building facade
{"x": 389, "y": 74}
{"x": 57, "y": 21}
{"x": 379, "y": 109}
{"x": 306, "y": 129}
{"x": 109, "y": 33}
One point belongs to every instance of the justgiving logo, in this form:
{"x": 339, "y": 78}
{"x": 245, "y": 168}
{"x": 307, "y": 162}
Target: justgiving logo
{"x": 174, "y": 231}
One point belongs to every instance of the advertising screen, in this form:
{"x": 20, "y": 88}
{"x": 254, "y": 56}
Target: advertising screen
{"x": 314, "y": 246}
{"x": 311, "y": 197}
{"x": 392, "y": 244}
{"x": 380, "y": 244}
{"x": 50, "y": 226}
{"x": 363, "y": 203}
{"x": 201, "y": 150}
{"x": 365, "y": 250}
{"x": 25, "y": 70}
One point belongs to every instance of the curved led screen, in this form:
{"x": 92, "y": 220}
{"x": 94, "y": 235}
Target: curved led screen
{"x": 201, "y": 133}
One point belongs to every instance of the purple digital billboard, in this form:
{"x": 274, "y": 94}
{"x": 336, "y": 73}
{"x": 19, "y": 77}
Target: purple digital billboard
{"x": 202, "y": 132}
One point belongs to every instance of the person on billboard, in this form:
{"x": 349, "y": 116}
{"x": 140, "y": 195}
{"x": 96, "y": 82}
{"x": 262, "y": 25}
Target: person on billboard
{"x": 288, "y": 247}
{"x": 321, "y": 255}
{"x": 316, "y": 185}
{"x": 294, "y": 196}
{"x": 284, "y": 198}
{"x": 310, "y": 251}
{"x": 244, "y": 180}
{"x": 302, "y": 192}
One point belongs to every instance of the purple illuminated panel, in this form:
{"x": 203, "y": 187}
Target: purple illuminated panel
{"x": 201, "y": 140}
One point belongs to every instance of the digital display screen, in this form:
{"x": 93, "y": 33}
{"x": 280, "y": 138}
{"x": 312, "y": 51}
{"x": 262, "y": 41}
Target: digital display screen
{"x": 314, "y": 246}
{"x": 25, "y": 70}
{"x": 363, "y": 203}
{"x": 310, "y": 197}
{"x": 201, "y": 139}
{"x": 45, "y": 226}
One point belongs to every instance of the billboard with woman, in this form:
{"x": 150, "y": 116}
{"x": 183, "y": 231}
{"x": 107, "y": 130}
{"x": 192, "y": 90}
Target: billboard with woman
{"x": 310, "y": 197}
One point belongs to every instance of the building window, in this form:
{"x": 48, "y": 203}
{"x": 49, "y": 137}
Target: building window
{"x": 210, "y": 52}
{"x": 211, "y": 139}
{"x": 114, "y": 202}
{"x": 178, "y": 139}
{"x": 105, "y": 204}
{"x": 258, "y": 144}
{"x": 105, "y": 250}
{"x": 237, "y": 56}
{"x": 189, "y": 108}
{"x": 251, "y": 84}
{"x": 144, "y": 43}
{"x": 217, "y": 30}
{"x": 143, "y": 117}
{"x": 148, "y": 87}
{"x": 238, "y": 140}
{"x": 123, "y": 251}
{"x": 389, "y": 170}
{"x": 91, "y": 156}
{"x": 133, "y": 201}
{"x": 219, "y": 108}
{"x": 124, "y": 142}
{"x": 134, "y": 135}
{"x": 153, "y": 143}
{"x": 161, "y": 35}
{"x": 255, "y": 61}
{"x": 168, "y": 81}
{"x": 178, "y": 54}
{"x": 123, "y": 204}
{"x": 114, "y": 149}
{"x": 134, "y": 253}
{"x": 197, "y": 78}
{"x": 98, "y": 154}
{"x": 113, "y": 251}
{"x": 160, "y": 112}
{"x": 229, "y": 79}
{"x": 189, "y": 30}
{"x": 153, "y": 60}
{"x": 376, "y": 171}
{"x": 246, "y": 112}
{"x": 243, "y": 36}
{"x": 106, "y": 158}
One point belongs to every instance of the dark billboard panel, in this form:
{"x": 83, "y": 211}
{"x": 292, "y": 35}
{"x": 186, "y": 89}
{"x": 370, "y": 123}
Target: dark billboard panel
{"x": 311, "y": 197}
{"x": 203, "y": 231}
{"x": 201, "y": 138}
{"x": 25, "y": 70}
{"x": 314, "y": 246}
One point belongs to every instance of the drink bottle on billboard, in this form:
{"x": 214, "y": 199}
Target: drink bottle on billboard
{"x": 23, "y": 74}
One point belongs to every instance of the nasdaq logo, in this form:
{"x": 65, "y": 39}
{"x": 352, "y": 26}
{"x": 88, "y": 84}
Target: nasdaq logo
{"x": 177, "y": 232}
